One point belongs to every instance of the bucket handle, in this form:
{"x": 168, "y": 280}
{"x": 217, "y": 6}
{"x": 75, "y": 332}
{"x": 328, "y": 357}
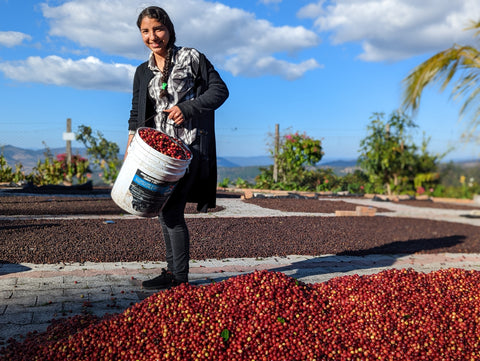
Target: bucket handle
{"x": 163, "y": 121}
{"x": 176, "y": 127}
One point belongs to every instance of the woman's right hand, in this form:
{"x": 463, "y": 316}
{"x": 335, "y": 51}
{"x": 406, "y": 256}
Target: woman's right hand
{"x": 175, "y": 114}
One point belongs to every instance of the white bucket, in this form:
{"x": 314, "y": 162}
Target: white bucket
{"x": 147, "y": 178}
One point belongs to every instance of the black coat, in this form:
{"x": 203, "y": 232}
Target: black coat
{"x": 210, "y": 93}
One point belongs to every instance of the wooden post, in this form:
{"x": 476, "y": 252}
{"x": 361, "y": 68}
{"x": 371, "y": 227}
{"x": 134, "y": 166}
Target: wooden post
{"x": 68, "y": 136}
{"x": 69, "y": 142}
{"x": 275, "y": 155}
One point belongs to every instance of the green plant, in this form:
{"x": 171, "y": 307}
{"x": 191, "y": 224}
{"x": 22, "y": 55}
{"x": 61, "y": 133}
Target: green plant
{"x": 355, "y": 183}
{"x": 56, "y": 170}
{"x": 391, "y": 159}
{"x": 296, "y": 152}
{"x": 78, "y": 167}
{"x": 242, "y": 183}
{"x": 104, "y": 152}
{"x": 224, "y": 183}
{"x": 47, "y": 172}
{"x": 265, "y": 179}
{"x": 7, "y": 174}
{"x": 320, "y": 180}
{"x": 19, "y": 174}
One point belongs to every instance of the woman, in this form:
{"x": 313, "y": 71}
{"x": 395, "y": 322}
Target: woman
{"x": 177, "y": 91}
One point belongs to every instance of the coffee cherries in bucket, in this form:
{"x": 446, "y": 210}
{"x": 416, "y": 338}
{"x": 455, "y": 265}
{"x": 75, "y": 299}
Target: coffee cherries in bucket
{"x": 164, "y": 143}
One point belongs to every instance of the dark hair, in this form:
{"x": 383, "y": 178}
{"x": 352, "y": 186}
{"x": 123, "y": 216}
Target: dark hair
{"x": 157, "y": 13}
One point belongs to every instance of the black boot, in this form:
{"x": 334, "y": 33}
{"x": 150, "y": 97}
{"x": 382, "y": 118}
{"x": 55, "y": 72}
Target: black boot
{"x": 165, "y": 280}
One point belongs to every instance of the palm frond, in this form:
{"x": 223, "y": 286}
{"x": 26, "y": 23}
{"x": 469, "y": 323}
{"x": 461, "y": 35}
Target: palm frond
{"x": 443, "y": 68}
{"x": 474, "y": 25}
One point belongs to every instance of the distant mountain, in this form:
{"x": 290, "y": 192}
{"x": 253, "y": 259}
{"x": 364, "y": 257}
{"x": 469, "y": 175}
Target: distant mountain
{"x": 224, "y": 162}
{"x": 259, "y": 161}
{"x": 338, "y": 163}
{"x": 29, "y": 157}
{"x": 264, "y": 160}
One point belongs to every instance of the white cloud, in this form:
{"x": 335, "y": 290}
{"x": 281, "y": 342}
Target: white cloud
{"x": 270, "y": 66}
{"x": 395, "y": 29}
{"x": 311, "y": 10}
{"x": 87, "y": 73}
{"x": 232, "y": 38}
{"x": 12, "y": 38}
{"x": 106, "y": 25}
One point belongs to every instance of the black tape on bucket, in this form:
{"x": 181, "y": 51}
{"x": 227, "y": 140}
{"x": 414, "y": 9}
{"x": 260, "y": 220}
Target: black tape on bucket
{"x": 149, "y": 194}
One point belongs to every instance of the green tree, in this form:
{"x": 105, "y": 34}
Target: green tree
{"x": 296, "y": 153}
{"x": 104, "y": 152}
{"x": 458, "y": 66}
{"x": 391, "y": 159}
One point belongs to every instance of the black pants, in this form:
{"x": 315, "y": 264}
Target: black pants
{"x": 177, "y": 241}
{"x": 174, "y": 227}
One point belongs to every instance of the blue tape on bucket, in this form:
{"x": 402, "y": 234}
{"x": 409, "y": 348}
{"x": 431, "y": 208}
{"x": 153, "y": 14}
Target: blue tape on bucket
{"x": 147, "y": 185}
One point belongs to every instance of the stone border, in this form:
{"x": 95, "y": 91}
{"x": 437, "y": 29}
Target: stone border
{"x": 254, "y": 192}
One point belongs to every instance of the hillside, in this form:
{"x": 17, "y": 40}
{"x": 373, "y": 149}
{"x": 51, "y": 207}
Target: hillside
{"x": 29, "y": 157}
{"x": 234, "y": 167}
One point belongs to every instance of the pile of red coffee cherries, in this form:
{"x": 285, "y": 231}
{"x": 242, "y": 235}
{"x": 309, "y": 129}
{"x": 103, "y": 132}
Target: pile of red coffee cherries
{"x": 164, "y": 144}
{"x": 264, "y": 315}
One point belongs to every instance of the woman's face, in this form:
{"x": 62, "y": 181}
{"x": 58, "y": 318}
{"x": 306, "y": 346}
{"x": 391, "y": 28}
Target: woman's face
{"x": 155, "y": 35}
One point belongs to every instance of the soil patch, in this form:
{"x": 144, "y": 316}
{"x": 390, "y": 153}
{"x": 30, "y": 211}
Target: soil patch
{"x": 94, "y": 240}
{"x": 438, "y": 205}
{"x": 306, "y": 205}
{"x": 67, "y": 205}
{"x": 53, "y": 241}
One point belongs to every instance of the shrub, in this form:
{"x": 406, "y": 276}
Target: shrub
{"x": 7, "y": 174}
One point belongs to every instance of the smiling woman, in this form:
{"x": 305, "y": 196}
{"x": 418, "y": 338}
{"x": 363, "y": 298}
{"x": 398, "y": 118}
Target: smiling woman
{"x": 177, "y": 92}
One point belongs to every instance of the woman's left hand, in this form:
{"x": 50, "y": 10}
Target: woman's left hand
{"x": 175, "y": 114}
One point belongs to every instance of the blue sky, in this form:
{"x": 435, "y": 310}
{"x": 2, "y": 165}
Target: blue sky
{"x": 319, "y": 67}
